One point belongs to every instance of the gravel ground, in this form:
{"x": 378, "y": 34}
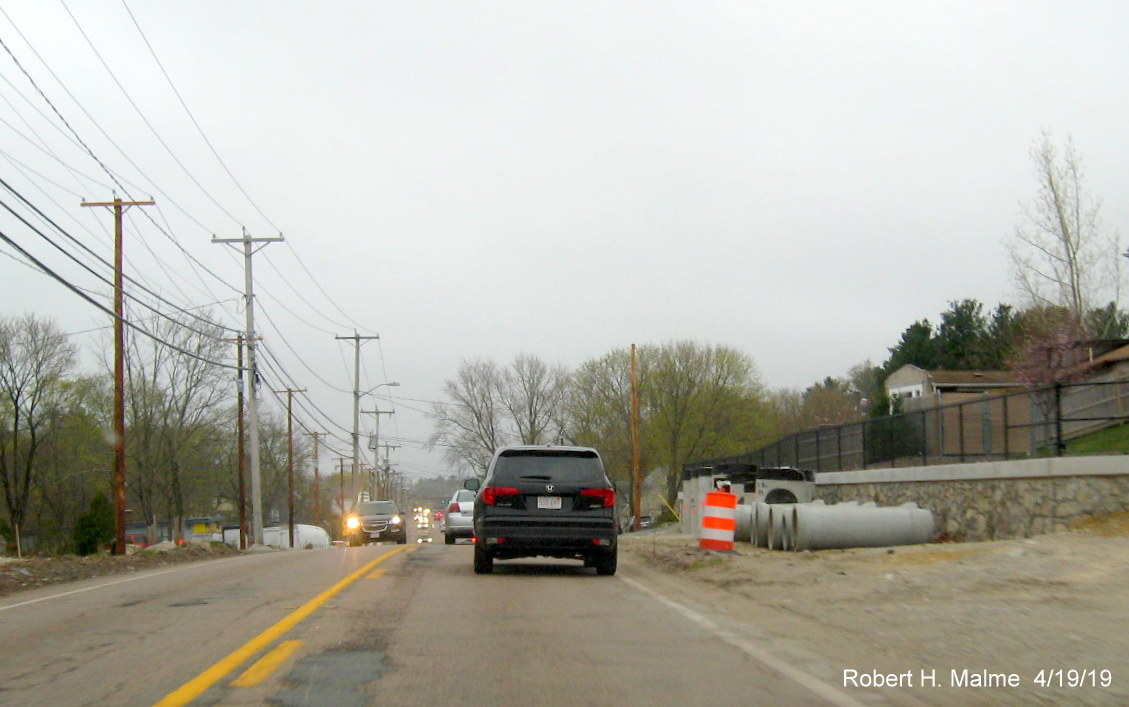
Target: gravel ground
{"x": 1046, "y": 604}
{"x": 36, "y": 572}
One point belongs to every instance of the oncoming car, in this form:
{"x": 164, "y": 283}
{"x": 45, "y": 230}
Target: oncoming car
{"x": 545, "y": 501}
{"x": 371, "y": 521}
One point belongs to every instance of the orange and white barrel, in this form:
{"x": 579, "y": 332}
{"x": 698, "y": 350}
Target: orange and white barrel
{"x": 719, "y": 521}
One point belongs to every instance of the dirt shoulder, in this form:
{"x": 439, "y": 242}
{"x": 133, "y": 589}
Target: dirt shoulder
{"x": 1051, "y": 603}
{"x": 37, "y": 572}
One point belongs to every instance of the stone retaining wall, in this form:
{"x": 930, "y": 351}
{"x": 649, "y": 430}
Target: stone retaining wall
{"x": 993, "y": 500}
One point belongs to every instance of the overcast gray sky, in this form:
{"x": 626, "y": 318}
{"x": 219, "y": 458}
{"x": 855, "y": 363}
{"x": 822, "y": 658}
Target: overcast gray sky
{"x": 799, "y": 180}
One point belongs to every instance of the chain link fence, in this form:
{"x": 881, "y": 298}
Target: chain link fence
{"x": 1036, "y": 422}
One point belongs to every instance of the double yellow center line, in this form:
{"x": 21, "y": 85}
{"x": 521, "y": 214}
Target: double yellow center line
{"x": 196, "y": 686}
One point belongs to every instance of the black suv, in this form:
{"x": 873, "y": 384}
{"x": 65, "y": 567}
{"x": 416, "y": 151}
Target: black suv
{"x": 545, "y": 501}
{"x": 375, "y": 520}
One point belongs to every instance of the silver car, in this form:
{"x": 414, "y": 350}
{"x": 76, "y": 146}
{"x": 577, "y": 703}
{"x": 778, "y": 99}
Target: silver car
{"x": 459, "y": 521}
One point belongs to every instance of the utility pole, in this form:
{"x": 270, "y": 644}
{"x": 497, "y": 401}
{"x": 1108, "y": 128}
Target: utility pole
{"x": 119, "y": 207}
{"x": 357, "y": 339}
{"x": 386, "y": 469}
{"x": 375, "y": 446}
{"x": 290, "y": 456}
{"x": 242, "y": 461}
{"x": 341, "y": 498}
{"x": 253, "y": 400}
{"x": 636, "y": 471}
{"x": 317, "y": 478}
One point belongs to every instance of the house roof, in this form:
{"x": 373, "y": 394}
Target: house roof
{"x": 1115, "y": 356}
{"x": 985, "y": 378}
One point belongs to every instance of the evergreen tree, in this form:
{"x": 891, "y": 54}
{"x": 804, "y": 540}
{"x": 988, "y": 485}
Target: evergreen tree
{"x": 96, "y": 527}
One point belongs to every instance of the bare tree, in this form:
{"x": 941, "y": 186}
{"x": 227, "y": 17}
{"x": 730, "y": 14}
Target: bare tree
{"x": 471, "y": 425}
{"x": 533, "y": 394}
{"x": 489, "y": 406}
{"x": 599, "y": 411}
{"x": 34, "y": 357}
{"x": 174, "y": 401}
{"x": 1060, "y": 257}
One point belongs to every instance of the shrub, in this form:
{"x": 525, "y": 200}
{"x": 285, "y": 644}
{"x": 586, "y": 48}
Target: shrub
{"x": 96, "y": 527}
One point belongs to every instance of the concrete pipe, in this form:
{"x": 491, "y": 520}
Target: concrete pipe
{"x": 760, "y": 524}
{"x": 744, "y": 532}
{"x": 779, "y": 529}
{"x": 840, "y": 526}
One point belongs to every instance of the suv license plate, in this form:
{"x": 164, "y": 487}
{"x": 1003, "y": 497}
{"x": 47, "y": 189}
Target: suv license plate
{"x": 549, "y": 502}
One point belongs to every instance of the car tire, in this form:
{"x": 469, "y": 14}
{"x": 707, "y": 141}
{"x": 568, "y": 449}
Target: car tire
{"x": 354, "y": 541}
{"x": 483, "y": 560}
{"x": 606, "y": 565}
{"x": 402, "y": 540}
{"x": 448, "y": 539}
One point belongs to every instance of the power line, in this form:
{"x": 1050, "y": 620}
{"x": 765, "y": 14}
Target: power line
{"x": 65, "y": 283}
{"x": 156, "y": 311}
{"x": 305, "y": 365}
{"x": 94, "y": 255}
{"x": 81, "y": 143}
{"x": 142, "y": 115}
{"x": 196, "y": 123}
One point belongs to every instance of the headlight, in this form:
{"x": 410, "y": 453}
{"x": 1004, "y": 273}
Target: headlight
{"x": 352, "y": 522}
{"x": 396, "y": 520}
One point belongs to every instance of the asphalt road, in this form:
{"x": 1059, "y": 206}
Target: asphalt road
{"x": 377, "y": 625}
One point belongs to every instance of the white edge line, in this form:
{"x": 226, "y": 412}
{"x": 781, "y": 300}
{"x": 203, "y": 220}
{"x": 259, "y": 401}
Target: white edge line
{"x": 107, "y": 584}
{"x": 828, "y": 692}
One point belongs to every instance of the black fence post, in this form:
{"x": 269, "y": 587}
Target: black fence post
{"x": 924, "y": 439}
{"x": 1007, "y": 428}
{"x": 865, "y": 426}
{"x": 838, "y": 447}
{"x": 960, "y": 429}
{"x": 1060, "y": 446}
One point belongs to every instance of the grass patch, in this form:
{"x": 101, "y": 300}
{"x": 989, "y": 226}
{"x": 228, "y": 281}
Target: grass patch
{"x": 707, "y": 562}
{"x": 1112, "y": 440}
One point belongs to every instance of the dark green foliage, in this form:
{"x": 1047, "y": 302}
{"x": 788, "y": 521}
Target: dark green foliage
{"x": 95, "y": 528}
{"x": 961, "y": 342}
{"x": 969, "y": 340}
{"x": 916, "y": 347}
{"x": 1108, "y": 322}
{"x": 1005, "y": 333}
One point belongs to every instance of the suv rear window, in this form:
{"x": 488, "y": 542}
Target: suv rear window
{"x": 464, "y": 495}
{"x": 549, "y": 465}
{"x": 373, "y": 508}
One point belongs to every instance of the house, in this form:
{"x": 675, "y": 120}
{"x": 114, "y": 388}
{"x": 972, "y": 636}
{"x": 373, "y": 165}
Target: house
{"x": 1110, "y": 366}
{"x": 918, "y": 388}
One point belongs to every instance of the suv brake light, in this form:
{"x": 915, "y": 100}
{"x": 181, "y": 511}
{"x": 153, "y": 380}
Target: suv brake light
{"x": 606, "y": 497}
{"x": 490, "y": 494}
{"x": 453, "y": 508}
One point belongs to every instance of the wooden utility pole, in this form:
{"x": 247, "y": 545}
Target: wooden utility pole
{"x": 119, "y": 207}
{"x": 252, "y": 400}
{"x": 317, "y": 478}
{"x": 341, "y": 497}
{"x": 636, "y": 454}
{"x": 241, "y": 453}
{"x": 290, "y": 457}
